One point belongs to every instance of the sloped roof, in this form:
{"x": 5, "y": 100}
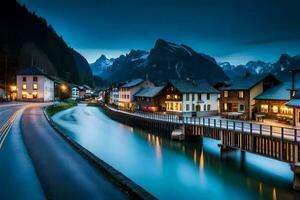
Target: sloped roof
{"x": 278, "y": 92}
{"x": 246, "y": 83}
{"x": 31, "y": 71}
{"x": 149, "y": 92}
{"x": 193, "y": 86}
{"x": 293, "y": 103}
{"x": 133, "y": 83}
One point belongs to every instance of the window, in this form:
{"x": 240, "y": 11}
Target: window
{"x": 187, "y": 107}
{"x": 175, "y": 96}
{"x": 193, "y": 97}
{"x": 187, "y": 97}
{"x": 204, "y": 108}
{"x": 241, "y": 108}
{"x": 225, "y": 94}
{"x": 208, "y": 107}
{"x": 35, "y": 86}
{"x": 24, "y": 95}
{"x": 241, "y": 94}
{"x": 24, "y": 86}
{"x": 34, "y": 95}
{"x": 193, "y": 107}
{"x": 24, "y": 79}
{"x": 35, "y": 78}
{"x": 208, "y": 96}
{"x": 264, "y": 108}
{"x": 225, "y": 107}
{"x": 168, "y": 96}
{"x": 275, "y": 109}
{"x": 198, "y": 108}
{"x": 199, "y": 97}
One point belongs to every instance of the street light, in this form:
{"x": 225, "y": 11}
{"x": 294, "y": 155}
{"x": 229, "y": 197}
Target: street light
{"x": 63, "y": 87}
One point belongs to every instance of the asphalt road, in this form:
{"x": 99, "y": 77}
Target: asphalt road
{"x": 62, "y": 172}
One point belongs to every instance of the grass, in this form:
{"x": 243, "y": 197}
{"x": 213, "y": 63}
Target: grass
{"x": 57, "y": 107}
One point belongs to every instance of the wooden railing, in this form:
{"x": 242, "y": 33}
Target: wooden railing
{"x": 283, "y": 133}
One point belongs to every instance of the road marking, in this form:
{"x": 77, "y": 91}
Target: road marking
{"x": 6, "y": 127}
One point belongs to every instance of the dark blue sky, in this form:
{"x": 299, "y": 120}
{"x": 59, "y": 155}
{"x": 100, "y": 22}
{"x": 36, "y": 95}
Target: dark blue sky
{"x": 229, "y": 30}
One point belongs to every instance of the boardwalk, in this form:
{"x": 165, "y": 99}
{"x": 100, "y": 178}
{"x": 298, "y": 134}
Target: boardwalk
{"x": 281, "y": 143}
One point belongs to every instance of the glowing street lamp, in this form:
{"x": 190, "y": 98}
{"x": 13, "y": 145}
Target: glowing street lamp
{"x": 63, "y": 87}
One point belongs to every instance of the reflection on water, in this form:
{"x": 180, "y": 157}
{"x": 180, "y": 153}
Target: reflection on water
{"x": 173, "y": 170}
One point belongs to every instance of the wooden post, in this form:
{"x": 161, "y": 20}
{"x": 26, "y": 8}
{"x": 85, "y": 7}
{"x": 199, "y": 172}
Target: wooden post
{"x": 271, "y": 130}
{"x": 281, "y": 145}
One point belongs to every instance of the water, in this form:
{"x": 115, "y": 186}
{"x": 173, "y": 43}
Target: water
{"x": 172, "y": 170}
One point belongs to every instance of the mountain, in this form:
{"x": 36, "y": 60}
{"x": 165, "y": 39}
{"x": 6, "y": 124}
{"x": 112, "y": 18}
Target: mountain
{"x": 165, "y": 61}
{"x": 281, "y": 68}
{"x": 102, "y": 66}
{"x": 26, "y": 40}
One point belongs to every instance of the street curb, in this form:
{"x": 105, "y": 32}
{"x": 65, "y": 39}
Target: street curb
{"x": 133, "y": 190}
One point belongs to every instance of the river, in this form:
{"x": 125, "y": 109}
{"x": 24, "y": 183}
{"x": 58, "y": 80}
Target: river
{"x": 174, "y": 170}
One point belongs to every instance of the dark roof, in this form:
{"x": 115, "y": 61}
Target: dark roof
{"x": 246, "y": 83}
{"x": 132, "y": 83}
{"x": 149, "y": 92}
{"x": 293, "y": 103}
{"x": 193, "y": 86}
{"x": 31, "y": 71}
{"x": 278, "y": 92}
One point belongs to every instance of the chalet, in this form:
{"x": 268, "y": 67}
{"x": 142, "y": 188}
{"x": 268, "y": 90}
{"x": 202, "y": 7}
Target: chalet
{"x": 149, "y": 99}
{"x": 190, "y": 98}
{"x": 74, "y": 91}
{"x": 272, "y": 103}
{"x": 127, "y": 91}
{"x": 239, "y": 97}
{"x": 34, "y": 85}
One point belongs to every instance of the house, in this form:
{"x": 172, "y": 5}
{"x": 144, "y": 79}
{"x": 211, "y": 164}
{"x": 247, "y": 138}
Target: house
{"x": 272, "y": 102}
{"x": 127, "y": 91}
{"x": 34, "y": 85}
{"x": 74, "y": 91}
{"x": 239, "y": 97}
{"x": 114, "y": 95}
{"x": 149, "y": 99}
{"x": 190, "y": 98}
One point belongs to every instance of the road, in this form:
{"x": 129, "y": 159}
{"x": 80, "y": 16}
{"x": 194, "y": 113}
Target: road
{"x": 38, "y": 163}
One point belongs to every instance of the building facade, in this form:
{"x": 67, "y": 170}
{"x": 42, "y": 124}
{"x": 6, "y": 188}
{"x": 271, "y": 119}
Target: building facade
{"x": 149, "y": 99}
{"x": 114, "y": 96}
{"x": 191, "y": 98}
{"x": 34, "y": 85}
{"x": 127, "y": 91}
{"x": 239, "y": 97}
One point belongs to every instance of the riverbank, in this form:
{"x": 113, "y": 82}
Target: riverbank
{"x": 57, "y": 107}
{"x": 126, "y": 185}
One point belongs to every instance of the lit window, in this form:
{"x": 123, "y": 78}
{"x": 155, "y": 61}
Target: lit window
{"x": 264, "y": 108}
{"x": 175, "y": 96}
{"x": 225, "y": 93}
{"x": 24, "y": 95}
{"x": 35, "y": 86}
{"x": 34, "y": 95}
{"x": 24, "y": 86}
{"x": 225, "y": 107}
{"x": 168, "y": 96}
{"x": 241, "y": 94}
{"x": 275, "y": 109}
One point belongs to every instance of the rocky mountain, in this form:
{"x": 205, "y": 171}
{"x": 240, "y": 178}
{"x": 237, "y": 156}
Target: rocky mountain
{"x": 102, "y": 66}
{"x": 284, "y": 64}
{"x": 26, "y": 40}
{"x": 165, "y": 61}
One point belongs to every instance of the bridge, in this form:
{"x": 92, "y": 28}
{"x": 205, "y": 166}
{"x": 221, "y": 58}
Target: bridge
{"x": 280, "y": 143}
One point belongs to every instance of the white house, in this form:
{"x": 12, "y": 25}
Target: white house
{"x": 74, "y": 92}
{"x": 34, "y": 85}
{"x": 114, "y": 96}
{"x": 127, "y": 91}
{"x": 191, "y": 98}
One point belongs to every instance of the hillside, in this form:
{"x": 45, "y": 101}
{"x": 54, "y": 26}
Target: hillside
{"x": 26, "y": 39}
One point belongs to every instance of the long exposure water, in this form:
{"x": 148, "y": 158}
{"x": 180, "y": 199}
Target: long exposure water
{"x": 174, "y": 170}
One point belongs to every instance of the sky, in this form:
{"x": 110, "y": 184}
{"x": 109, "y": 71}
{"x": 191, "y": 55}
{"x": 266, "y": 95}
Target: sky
{"x": 229, "y": 30}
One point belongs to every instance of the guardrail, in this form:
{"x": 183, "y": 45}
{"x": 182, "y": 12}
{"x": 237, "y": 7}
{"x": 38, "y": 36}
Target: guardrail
{"x": 283, "y": 133}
